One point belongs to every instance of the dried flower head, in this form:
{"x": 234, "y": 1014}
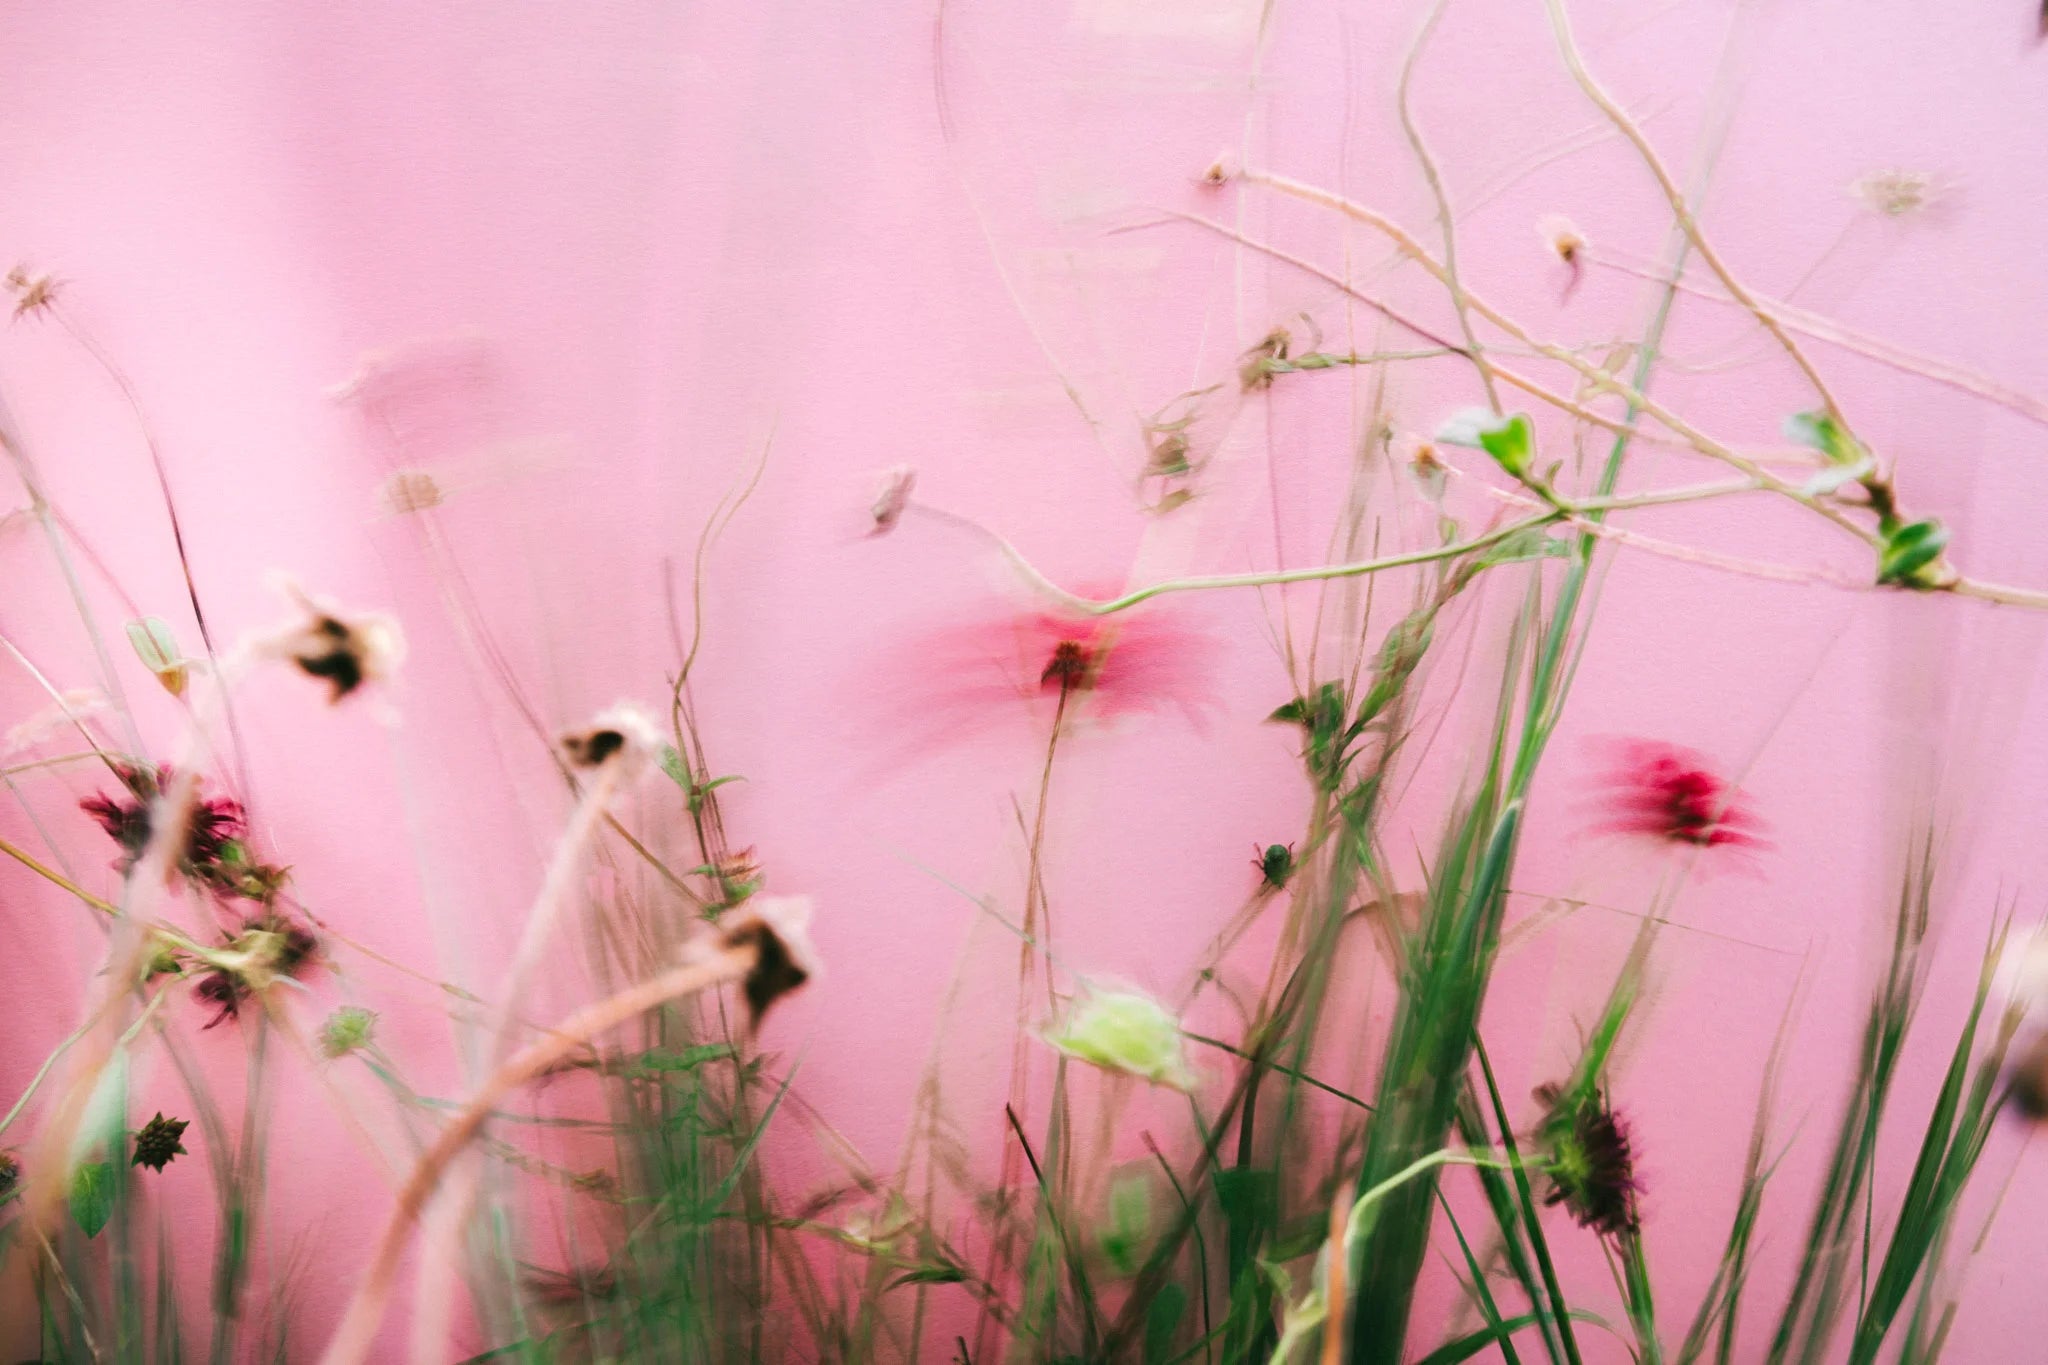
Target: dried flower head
{"x": 1257, "y": 366}
{"x": 410, "y": 490}
{"x": 2029, "y": 1080}
{"x": 213, "y": 851}
{"x": 32, "y": 293}
{"x": 1666, "y": 792}
{"x": 346, "y": 651}
{"x": 264, "y": 951}
{"x": 159, "y": 1141}
{"x": 10, "y": 1176}
{"x": 777, "y": 929}
{"x": 892, "y": 498}
{"x": 1125, "y": 1032}
{"x": 349, "y": 1029}
{"x": 1565, "y": 242}
{"x": 622, "y": 732}
{"x": 1589, "y": 1161}
{"x": 1894, "y": 192}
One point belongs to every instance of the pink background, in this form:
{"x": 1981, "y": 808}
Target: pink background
{"x": 678, "y": 232}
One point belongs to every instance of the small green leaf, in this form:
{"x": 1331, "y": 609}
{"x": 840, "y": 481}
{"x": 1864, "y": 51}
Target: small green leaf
{"x": 1511, "y": 443}
{"x": 1823, "y": 433}
{"x": 92, "y": 1196}
{"x": 1911, "y": 555}
{"x": 930, "y": 1274}
{"x": 158, "y": 649}
{"x": 689, "y": 1059}
{"x": 1511, "y": 440}
{"x": 1162, "y": 1320}
{"x": 671, "y": 761}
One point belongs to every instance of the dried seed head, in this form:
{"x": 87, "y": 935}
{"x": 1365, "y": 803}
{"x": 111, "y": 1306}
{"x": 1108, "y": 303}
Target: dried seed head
{"x": 623, "y": 732}
{"x": 159, "y": 1141}
{"x": 1591, "y": 1161}
{"x": 1562, "y": 239}
{"x": 2030, "y": 1081}
{"x": 777, "y": 928}
{"x": 343, "y": 650}
{"x": 892, "y": 498}
{"x": 410, "y": 490}
{"x": 1896, "y": 193}
{"x": 32, "y": 293}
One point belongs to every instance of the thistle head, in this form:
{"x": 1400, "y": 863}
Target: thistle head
{"x": 159, "y": 1141}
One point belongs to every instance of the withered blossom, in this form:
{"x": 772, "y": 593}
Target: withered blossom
{"x": 213, "y": 852}
{"x": 265, "y": 950}
{"x": 343, "y": 650}
{"x": 892, "y": 498}
{"x": 777, "y": 930}
{"x": 623, "y": 732}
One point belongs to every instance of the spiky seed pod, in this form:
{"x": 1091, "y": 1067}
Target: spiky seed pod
{"x": 1591, "y": 1164}
{"x": 159, "y": 1141}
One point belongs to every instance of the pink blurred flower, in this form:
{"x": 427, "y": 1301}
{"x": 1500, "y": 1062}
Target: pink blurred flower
{"x": 987, "y": 671}
{"x": 1673, "y": 794}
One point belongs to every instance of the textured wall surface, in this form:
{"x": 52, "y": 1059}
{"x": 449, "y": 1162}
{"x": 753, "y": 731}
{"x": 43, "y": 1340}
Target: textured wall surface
{"x": 637, "y": 245}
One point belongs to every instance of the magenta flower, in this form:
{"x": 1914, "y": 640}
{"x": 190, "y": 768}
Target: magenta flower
{"x": 986, "y": 672}
{"x": 1674, "y": 794}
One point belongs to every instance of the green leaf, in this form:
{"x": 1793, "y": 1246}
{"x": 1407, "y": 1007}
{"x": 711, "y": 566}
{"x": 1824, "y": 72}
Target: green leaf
{"x": 1247, "y": 1195}
{"x": 158, "y": 649}
{"x": 1522, "y": 546}
{"x": 1162, "y": 1320}
{"x": 671, "y": 761}
{"x": 689, "y": 1059}
{"x": 929, "y": 1274}
{"x": 92, "y": 1196}
{"x": 1911, "y": 554}
{"x": 1822, "y": 432}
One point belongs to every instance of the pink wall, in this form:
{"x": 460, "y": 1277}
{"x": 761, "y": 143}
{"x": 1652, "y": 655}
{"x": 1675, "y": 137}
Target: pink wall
{"x": 681, "y": 229}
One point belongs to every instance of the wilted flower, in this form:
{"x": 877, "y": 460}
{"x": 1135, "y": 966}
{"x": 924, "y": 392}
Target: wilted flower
{"x": 213, "y": 852}
{"x": 347, "y": 1030}
{"x": 1589, "y": 1162}
{"x": 344, "y": 650}
{"x": 777, "y": 928}
{"x": 265, "y": 950}
{"x": 1125, "y": 1032}
{"x": 623, "y": 731}
{"x": 1671, "y": 793}
{"x": 892, "y": 499}
{"x": 160, "y": 1140}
